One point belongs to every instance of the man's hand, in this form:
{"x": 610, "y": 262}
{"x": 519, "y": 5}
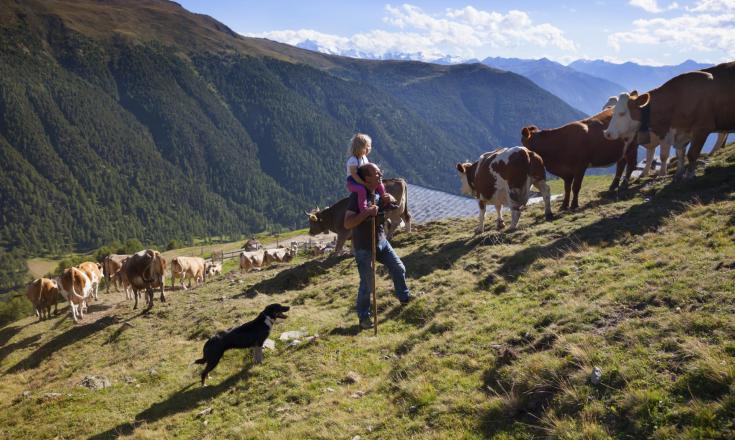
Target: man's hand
{"x": 371, "y": 211}
{"x": 353, "y": 219}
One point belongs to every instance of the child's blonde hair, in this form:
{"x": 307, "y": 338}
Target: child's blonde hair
{"x": 359, "y": 143}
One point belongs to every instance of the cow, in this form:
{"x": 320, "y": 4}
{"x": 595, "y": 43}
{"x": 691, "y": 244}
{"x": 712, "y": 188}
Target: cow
{"x": 278, "y": 255}
{"x": 213, "y": 268}
{"x": 504, "y": 177}
{"x": 694, "y": 104}
{"x": 111, "y": 266}
{"x": 332, "y": 218}
{"x": 145, "y": 270}
{"x": 677, "y": 140}
{"x": 75, "y": 287}
{"x": 94, "y": 273}
{"x": 251, "y": 260}
{"x": 43, "y": 293}
{"x": 569, "y": 150}
{"x": 188, "y": 267}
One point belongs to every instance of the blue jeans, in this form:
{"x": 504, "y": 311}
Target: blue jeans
{"x": 388, "y": 257}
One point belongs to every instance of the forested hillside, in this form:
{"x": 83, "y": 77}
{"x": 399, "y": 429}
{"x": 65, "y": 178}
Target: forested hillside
{"x": 147, "y": 121}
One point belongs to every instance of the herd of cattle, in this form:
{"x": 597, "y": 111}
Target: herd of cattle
{"x": 682, "y": 111}
{"x": 142, "y": 271}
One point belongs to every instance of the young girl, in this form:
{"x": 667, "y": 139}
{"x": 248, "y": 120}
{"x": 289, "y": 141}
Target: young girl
{"x": 359, "y": 149}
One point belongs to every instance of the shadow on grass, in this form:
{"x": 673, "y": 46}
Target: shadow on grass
{"x": 717, "y": 184}
{"x": 71, "y": 336}
{"x": 8, "y": 332}
{"x": 295, "y": 278}
{"x": 185, "y": 399}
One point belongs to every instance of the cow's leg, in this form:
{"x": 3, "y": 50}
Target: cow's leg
{"x": 73, "y": 309}
{"x": 631, "y": 156}
{"x": 719, "y": 143}
{"x": 96, "y": 290}
{"x": 257, "y": 355}
{"x": 499, "y": 210}
{"x": 163, "y": 298}
{"x": 341, "y": 238}
{"x": 693, "y": 154}
{"x": 567, "y": 188}
{"x": 135, "y": 295}
{"x": 576, "y": 186}
{"x": 619, "y": 166}
{"x": 650, "y": 152}
{"x": 481, "y": 219}
{"x": 407, "y": 219}
{"x": 546, "y": 194}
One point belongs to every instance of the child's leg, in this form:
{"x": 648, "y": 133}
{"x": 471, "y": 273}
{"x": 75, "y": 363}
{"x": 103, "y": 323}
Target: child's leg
{"x": 355, "y": 187}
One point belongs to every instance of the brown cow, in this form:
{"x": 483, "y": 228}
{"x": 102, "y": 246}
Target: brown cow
{"x": 278, "y": 255}
{"x": 188, "y": 267}
{"x": 693, "y": 104}
{"x": 111, "y": 266}
{"x": 94, "y": 273}
{"x": 43, "y": 293}
{"x": 569, "y": 150}
{"x": 332, "y": 218}
{"x": 145, "y": 270}
{"x": 75, "y": 287}
{"x": 251, "y": 260}
{"x": 504, "y": 177}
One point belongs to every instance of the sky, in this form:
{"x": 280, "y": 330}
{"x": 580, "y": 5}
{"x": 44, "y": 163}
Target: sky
{"x": 653, "y": 32}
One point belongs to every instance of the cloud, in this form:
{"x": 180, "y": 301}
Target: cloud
{"x": 460, "y": 32}
{"x": 689, "y": 32}
{"x": 652, "y": 5}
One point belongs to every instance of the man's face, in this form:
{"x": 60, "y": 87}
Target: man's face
{"x": 373, "y": 177}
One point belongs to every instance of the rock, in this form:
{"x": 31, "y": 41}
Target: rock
{"x": 294, "y": 343}
{"x": 330, "y": 390}
{"x": 270, "y": 344}
{"x": 351, "y": 378}
{"x": 357, "y": 394}
{"x": 205, "y": 412}
{"x": 50, "y": 396}
{"x": 293, "y": 334}
{"x": 357, "y": 437}
{"x": 153, "y": 372}
{"x": 26, "y": 394}
{"x": 129, "y": 379}
{"x": 95, "y": 382}
{"x": 596, "y": 376}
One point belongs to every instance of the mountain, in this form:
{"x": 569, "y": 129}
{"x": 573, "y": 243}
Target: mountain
{"x": 635, "y": 76}
{"x": 146, "y": 121}
{"x": 580, "y": 90}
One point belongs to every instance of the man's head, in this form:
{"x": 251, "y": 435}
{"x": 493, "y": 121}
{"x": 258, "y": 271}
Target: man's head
{"x": 371, "y": 174}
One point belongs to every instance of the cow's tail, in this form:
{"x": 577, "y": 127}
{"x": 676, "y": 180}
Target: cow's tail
{"x": 148, "y": 270}
{"x": 406, "y": 214}
{"x": 73, "y": 292}
{"x": 537, "y": 169}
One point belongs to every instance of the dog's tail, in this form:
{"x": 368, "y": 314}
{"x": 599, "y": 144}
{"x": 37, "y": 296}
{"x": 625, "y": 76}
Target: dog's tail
{"x": 200, "y": 361}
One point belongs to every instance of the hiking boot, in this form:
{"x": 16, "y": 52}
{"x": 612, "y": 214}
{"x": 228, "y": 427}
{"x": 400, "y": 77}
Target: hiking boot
{"x": 366, "y": 323}
{"x": 408, "y": 300}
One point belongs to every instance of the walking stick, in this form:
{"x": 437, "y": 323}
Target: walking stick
{"x": 375, "y": 299}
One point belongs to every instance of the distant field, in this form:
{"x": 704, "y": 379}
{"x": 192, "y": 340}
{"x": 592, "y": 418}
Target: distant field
{"x": 39, "y": 267}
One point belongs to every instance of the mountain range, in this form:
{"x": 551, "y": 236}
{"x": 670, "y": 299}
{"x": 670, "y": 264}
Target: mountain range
{"x": 146, "y": 121}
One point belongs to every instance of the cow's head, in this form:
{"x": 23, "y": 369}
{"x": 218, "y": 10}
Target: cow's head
{"x": 626, "y": 117}
{"x": 527, "y": 134}
{"x": 463, "y": 168}
{"x": 317, "y": 225}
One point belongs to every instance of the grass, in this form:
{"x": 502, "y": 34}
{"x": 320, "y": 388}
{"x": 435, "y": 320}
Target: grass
{"x": 501, "y": 342}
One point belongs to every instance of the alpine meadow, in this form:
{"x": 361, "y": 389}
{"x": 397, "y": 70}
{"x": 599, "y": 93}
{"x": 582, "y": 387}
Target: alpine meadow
{"x": 141, "y": 142}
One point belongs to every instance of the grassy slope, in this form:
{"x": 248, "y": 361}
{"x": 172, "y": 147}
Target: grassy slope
{"x": 500, "y": 343}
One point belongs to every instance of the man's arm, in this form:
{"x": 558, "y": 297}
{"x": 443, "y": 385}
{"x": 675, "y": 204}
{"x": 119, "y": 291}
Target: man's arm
{"x": 353, "y": 218}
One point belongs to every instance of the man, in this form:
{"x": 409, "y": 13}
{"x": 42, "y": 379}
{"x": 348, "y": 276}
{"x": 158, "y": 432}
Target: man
{"x": 360, "y": 222}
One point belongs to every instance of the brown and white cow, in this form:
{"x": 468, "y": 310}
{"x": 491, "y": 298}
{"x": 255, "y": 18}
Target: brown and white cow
{"x": 278, "y": 255}
{"x": 94, "y": 273}
{"x": 332, "y": 218}
{"x": 43, "y": 293}
{"x": 672, "y": 139}
{"x": 111, "y": 266}
{"x": 213, "y": 268}
{"x": 75, "y": 287}
{"x": 569, "y": 150}
{"x": 188, "y": 267}
{"x": 145, "y": 270}
{"x": 504, "y": 177}
{"x": 251, "y": 260}
{"x": 694, "y": 104}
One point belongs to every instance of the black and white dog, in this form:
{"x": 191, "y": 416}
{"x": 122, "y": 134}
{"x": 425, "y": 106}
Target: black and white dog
{"x": 249, "y": 335}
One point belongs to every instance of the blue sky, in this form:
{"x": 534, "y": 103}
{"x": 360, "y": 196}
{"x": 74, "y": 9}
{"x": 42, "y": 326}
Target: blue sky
{"x": 645, "y": 31}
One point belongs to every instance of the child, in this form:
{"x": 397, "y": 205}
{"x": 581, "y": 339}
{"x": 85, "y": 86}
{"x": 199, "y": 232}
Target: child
{"x": 359, "y": 149}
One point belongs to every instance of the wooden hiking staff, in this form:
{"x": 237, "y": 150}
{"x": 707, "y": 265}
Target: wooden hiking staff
{"x": 375, "y": 298}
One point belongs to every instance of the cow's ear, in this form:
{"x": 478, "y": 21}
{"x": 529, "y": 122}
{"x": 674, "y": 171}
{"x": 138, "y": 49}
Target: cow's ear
{"x": 634, "y": 94}
{"x": 643, "y": 100}
{"x": 525, "y": 133}
{"x": 460, "y": 167}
